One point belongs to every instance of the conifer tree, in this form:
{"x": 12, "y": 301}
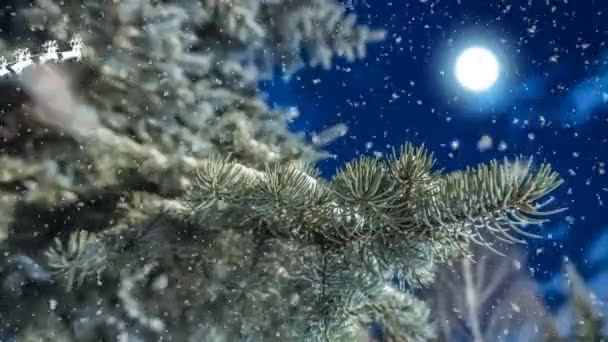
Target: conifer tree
{"x": 148, "y": 192}
{"x": 588, "y": 322}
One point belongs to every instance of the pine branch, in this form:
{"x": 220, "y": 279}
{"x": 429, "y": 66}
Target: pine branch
{"x": 369, "y": 200}
{"x": 403, "y": 317}
{"x": 375, "y": 218}
{"x": 80, "y": 258}
{"x": 496, "y": 199}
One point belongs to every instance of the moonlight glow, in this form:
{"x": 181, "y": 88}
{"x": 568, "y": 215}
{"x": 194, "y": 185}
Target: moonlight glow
{"x": 477, "y": 69}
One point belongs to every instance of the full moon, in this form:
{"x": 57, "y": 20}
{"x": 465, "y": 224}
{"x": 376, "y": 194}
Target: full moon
{"x": 477, "y": 69}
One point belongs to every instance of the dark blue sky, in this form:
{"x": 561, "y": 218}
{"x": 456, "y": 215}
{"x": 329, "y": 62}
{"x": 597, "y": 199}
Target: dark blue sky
{"x": 550, "y": 101}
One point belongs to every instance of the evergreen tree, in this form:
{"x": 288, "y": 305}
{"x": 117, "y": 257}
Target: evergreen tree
{"x": 588, "y": 322}
{"x": 164, "y": 200}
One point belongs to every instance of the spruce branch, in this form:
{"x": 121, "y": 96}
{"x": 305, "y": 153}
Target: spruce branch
{"x": 402, "y": 316}
{"x": 412, "y": 164}
{"x": 366, "y": 186}
{"x": 82, "y": 256}
{"x": 290, "y": 198}
{"x": 219, "y": 180}
{"x": 130, "y": 303}
{"x": 370, "y": 198}
{"x": 499, "y": 198}
{"x": 401, "y": 216}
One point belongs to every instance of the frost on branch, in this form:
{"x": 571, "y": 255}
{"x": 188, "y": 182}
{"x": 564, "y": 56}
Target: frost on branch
{"x": 192, "y": 67}
{"x": 82, "y": 257}
{"x": 374, "y": 220}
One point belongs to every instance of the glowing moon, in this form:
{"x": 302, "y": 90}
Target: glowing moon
{"x": 477, "y": 69}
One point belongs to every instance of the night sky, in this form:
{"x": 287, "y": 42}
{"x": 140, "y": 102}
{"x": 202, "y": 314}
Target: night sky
{"x": 550, "y": 102}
